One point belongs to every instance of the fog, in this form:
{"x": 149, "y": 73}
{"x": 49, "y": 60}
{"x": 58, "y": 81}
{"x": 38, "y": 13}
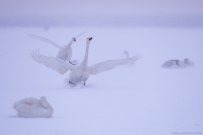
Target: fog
{"x": 90, "y": 13}
{"x": 160, "y": 94}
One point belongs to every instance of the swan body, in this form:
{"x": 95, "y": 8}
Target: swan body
{"x": 65, "y": 52}
{"x": 80, "y": 73}
{"x": 174, "y": 63}
{"x": 33, "y": 108}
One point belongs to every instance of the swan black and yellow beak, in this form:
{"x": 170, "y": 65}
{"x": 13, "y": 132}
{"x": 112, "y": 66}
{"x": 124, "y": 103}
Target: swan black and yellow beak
{"x": 74, "y": 39}
{"x": 90, "y": 38}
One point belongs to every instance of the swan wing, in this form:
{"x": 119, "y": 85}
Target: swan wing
{"x": 110, "y": 64}
{"x": 81, "y": 34}
{"x": 44, "y": 40}
{"x": 52, "y": 62}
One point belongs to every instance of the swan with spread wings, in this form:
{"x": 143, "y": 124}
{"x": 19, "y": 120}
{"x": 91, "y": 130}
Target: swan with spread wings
{"x": 80, "y": 73}
{"x": 65, "y": 52}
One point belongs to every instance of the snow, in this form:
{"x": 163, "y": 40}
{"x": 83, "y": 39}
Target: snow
{"x": 140, "y": 99}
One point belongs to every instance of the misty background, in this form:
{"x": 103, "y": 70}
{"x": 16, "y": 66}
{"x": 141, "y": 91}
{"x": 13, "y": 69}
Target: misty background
{"x": 141, "y": 98}
{"x": 96, "y": 13}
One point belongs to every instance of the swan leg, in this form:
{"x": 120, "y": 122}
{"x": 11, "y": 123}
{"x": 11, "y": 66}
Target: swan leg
{"x": 71, "y": 63}
{"x": 72, "y": 83}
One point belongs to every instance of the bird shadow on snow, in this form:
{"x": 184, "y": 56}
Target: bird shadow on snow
{"x": 18, "y": 117}
{"x": 13, "y": 116}
{"x": 79, "y": 85}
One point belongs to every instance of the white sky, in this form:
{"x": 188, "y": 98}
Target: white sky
{"x": 99, "y": 7}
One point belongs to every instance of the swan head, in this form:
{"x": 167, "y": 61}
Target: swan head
{"x": 74, "y": 39}
{"x": 89, "y": 39}
{"x": 44, "y": 103}
{"x": 186, "y": 60}
{"x": 43, "y": 98}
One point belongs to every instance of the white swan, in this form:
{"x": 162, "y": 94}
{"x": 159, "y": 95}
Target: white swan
{"x": 81, "y": 72}
{"x": 64, "y": 53}
{"x": 33, "y": 108}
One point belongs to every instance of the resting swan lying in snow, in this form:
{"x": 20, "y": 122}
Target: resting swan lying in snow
{"x": 33, "y": 108}
{"x": 64, "y": 53}
{"x": 81, "y": 72}
{"x": 178, "y": 64}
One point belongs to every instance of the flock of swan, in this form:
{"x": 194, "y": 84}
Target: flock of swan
{"x": 79, "y": 73}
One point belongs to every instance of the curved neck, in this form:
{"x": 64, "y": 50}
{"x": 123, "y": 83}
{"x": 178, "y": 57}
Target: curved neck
{"x": 84, "y": 62}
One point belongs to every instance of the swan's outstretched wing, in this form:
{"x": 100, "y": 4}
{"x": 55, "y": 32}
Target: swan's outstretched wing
{"x": 81, "y": 34}
{"x": 108, "y": 65}
{"x": 52, "y": 62}
{"x": 45, "y": 40}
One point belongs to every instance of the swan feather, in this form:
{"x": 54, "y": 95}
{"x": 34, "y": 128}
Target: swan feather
{"x": 110, "y": 64}
{"x": 52, "y": 62}
{"x": 45, "y": 40}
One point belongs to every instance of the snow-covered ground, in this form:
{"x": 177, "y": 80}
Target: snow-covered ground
{"x": 142, "y": 99}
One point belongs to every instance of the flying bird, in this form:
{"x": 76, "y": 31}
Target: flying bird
{"x": 65, "y": 52}
{"x": 80, "y": 73}
{"x": 33, "y": 108}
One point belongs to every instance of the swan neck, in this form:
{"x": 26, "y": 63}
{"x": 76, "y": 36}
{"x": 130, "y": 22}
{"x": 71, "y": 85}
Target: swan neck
{"x": 86, "y": 55}
{"x": 69, "y": 44}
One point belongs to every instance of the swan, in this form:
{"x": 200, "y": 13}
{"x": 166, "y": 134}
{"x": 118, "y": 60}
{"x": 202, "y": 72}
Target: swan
{"x": 127, "y": 56}
{"x": 64, "y": 53}
{"x": 175, "y": 63}
{"x": 80, "y": 73}
{"x": 33, "y": 108}
{"x": 188, "y": 63}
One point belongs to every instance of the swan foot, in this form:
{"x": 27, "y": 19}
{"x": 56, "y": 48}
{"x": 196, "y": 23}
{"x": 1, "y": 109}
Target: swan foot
{"x": 72, "y": 63}
{"x": 72, "y": 83}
